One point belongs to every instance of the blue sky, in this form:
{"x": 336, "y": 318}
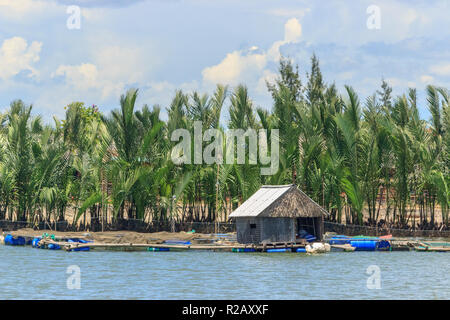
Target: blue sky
{"x": 161, "y": 45}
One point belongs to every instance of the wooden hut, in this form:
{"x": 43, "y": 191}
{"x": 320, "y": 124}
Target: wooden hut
{"x": 276, "y": 214}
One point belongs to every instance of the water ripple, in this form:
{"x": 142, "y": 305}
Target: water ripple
{"x": 41, "y": 274}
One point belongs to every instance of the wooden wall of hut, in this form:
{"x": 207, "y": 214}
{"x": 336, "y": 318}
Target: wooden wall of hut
{"x": 265, "y": 230}
{"x": 248, "y": 230}
{"x": 277, "y": 230}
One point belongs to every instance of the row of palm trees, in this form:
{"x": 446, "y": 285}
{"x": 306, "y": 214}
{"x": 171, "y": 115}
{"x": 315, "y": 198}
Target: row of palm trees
{"x": 366, "y": 163}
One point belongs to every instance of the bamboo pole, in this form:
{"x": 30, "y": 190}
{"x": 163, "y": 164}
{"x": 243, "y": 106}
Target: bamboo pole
{"x": 75, "y": 245}
{"x": 217, "y": 200}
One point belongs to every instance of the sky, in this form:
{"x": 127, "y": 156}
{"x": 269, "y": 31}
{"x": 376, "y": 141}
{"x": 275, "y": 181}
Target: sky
{"x": 159, "y": 46}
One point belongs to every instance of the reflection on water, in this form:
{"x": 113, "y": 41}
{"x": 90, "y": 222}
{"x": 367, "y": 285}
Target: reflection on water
{"x": 41, "y": 274}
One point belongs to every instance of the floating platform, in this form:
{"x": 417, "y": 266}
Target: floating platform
{"x": 337, "y": 243}
{"x": 432, "y": 249}
{"x": 93, "y": 246}
{"x": 342, "y": 247}
{"x": 433, "y": 246}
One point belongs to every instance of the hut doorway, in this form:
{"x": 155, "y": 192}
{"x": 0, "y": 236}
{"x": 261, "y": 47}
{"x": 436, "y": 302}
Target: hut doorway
{"x": 310, "y": 226}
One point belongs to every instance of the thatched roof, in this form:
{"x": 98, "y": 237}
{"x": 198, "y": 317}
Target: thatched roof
{"x": 279, "y": 201}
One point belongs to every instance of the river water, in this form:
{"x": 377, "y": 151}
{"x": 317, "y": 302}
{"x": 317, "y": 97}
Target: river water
{"x": 28, "y": 273}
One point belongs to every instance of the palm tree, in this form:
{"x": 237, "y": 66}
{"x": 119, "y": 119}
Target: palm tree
{"x": 370, "y": 161}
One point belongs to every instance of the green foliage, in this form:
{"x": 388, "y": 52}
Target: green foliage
{"x": 351, "y": 157}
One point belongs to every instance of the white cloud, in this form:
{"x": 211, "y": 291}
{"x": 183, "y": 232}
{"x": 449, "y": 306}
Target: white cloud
{"x": 345, "y": 76}
{"x": 100, "y": 79}
{"x": 426, "y": 79}
{"x": 95, "y": 15}
{"x": 234, "y": 68}
{"x": 20, "y": 6}
{"x": 161, "y": 86}
{"x": 122, "y": 64}
{"x": 412, "y": 45}
{"x": 82, "y": 76}
{"x": 282, "y": 12}
{"x": 268, "y": 76}
{"x": 30, "y": 11}
{"x": 249, "y": 66}
{"x": 292, "y": 34}
{"x": 292, "y": 30}
{"x": 400, "y": 83}
{"x": 113, "y": 69}
{"x": 18, "y": 9}
{"x": 17, "y": 56}
{"x": 441, "y": 69}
